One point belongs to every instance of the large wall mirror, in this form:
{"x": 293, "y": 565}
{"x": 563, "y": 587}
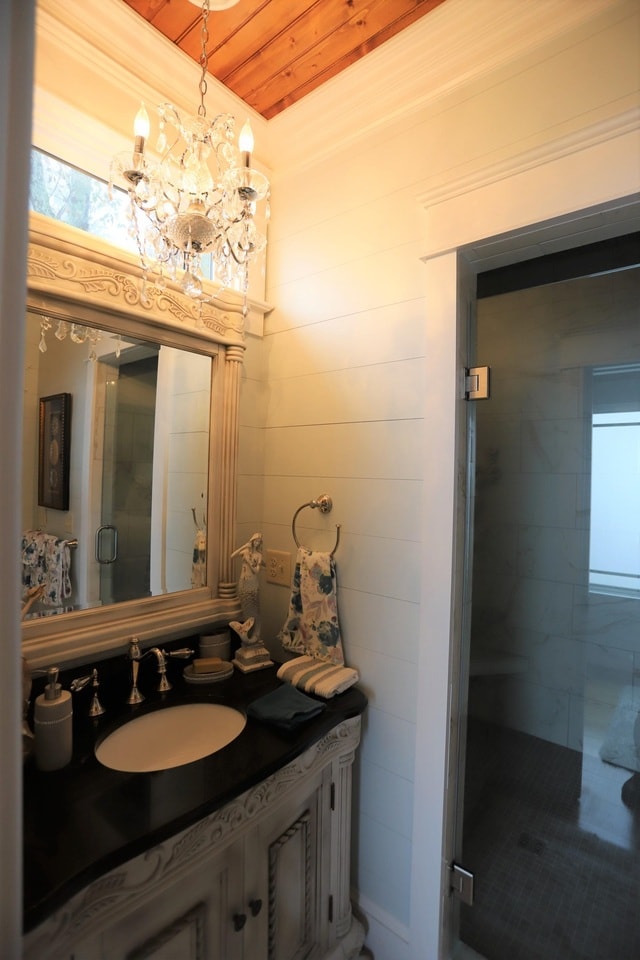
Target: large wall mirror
{"x": 129, "y": 453}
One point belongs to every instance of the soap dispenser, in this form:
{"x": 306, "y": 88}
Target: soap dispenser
{"x": 52, "y": 721}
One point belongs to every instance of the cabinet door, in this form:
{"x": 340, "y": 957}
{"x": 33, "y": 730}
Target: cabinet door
{"x": 88, "y": 950}
{"x": 284, "y": 858}
{"x": 192, "y": 919}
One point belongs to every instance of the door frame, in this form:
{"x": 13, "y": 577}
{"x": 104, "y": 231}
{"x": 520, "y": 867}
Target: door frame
{"x": 464, "y": 549}
{"x": 450, "y": 269}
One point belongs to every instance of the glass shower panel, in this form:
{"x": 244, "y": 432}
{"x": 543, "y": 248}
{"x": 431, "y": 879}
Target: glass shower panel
{"x": 551, "y": 820}
{"x": 124, "y": 541}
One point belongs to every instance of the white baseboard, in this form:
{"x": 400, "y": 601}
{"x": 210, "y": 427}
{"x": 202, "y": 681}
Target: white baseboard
{"x": 371, "y": 910}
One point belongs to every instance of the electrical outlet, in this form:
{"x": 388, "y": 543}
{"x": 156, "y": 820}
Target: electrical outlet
{"x": 278, "y": 567}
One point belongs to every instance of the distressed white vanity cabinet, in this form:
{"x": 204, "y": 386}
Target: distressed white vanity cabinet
{"x": 264, "y": 878}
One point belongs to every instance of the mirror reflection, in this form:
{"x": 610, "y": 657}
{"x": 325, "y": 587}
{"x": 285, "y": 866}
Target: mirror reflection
{"x": 124, "y": 423}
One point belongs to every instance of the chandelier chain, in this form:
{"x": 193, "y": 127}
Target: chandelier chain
{"x": 204, "y": 37}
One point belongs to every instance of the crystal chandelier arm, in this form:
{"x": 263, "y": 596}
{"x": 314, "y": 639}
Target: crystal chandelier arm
{"x": 243, "y": 254}
{"x": 168, "y": 112}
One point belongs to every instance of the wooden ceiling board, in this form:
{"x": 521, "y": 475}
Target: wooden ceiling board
{"x": 240, "y": 48}
{"x": 170, "y": 18}
{"x": 223, "y": 27}
{"x": 271, "y": 53}
{"x": 319, "y": 49}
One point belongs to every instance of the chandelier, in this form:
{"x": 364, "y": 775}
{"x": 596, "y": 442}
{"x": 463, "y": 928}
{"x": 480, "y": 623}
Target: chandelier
{"x": 198, "y": 198}
{"x": 77, "y": 333}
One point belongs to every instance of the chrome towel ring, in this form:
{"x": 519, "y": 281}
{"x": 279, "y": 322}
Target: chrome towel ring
{"x": 324, "y": 503}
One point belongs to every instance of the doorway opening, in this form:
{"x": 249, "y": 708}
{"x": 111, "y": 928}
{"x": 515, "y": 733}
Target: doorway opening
{"x": 550, "y": 817}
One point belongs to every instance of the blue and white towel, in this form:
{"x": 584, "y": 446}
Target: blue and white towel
{"x": 46, "y": 561}
{"x": 312, "y": 625}
{"x": 199, "y": 560}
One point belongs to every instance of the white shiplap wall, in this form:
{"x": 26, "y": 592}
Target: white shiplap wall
{"x": 344, "y": 361}
{"x": 344, "y": 355}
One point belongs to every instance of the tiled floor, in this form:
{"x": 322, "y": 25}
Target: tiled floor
{"x": 554, "y": 849}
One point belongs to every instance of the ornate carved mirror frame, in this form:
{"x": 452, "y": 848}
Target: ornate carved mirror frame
{"x": 75, "y": 277}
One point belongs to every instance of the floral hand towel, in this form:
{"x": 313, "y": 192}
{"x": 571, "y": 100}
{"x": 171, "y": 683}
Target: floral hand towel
{"x": 312, "y": 624}
{"x": 46, "y": 561}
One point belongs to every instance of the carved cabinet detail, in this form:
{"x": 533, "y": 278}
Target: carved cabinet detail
{"x": 264, "y": 878}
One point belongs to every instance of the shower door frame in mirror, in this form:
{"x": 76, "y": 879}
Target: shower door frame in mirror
{"x": 75, "y": 277}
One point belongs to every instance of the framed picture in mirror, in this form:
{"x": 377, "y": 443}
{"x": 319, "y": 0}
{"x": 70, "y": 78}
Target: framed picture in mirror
{"x": 54, "y": 451}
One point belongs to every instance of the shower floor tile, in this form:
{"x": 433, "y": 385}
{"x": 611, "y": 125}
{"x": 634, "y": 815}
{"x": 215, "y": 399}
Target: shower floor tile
{"x": 554, "y": 851}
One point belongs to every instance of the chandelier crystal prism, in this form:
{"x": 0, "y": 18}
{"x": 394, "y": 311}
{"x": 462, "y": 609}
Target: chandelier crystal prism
{"x": 199, "y": 196}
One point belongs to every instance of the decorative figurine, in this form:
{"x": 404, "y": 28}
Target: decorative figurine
{"x": 251, "y": 655}
{"x": 243, "y": 630}
{"x": 32, "y": 595}
{"x": 248, "y": 584}
{"x": 199, "y": 559}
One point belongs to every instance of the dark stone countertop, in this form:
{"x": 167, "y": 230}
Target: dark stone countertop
{"x": 84, "y": 820}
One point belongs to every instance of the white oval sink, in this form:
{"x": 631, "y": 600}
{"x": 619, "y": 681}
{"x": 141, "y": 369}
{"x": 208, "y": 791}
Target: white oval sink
{"x": 170, "y": 737}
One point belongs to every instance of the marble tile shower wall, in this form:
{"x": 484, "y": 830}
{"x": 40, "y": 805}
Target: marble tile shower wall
{"x": 574, "y": 650}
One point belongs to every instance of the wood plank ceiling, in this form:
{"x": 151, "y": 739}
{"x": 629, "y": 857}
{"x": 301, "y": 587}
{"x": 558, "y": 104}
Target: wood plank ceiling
{"x": 271, "y": 53}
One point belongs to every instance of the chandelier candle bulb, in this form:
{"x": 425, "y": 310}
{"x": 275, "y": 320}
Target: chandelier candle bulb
{"x": 141, "y": 127}
{"x": 245, "y": 142}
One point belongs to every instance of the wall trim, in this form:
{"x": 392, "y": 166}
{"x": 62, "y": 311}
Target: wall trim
{"x": 453, "y": 50}
{"x": 603, "y": 131}
{"x": 386, "y": 920}
{"x": 127, "y": 61}
{"x": 126, "y": 50}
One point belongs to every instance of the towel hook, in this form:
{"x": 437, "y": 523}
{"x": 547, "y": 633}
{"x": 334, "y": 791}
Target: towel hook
{"x": 324, "y": 504}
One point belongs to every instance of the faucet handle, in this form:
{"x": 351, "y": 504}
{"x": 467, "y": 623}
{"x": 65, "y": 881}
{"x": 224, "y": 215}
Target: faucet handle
{"x": 96, "y": 709}
{"x": 79, "y": 683}
{"x": 134, "y": 652}
{"x": 183, "y": 653}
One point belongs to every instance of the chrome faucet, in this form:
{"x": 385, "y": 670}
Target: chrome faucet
{"x": 161, "y": 657}
{"x": 135, "y": 656}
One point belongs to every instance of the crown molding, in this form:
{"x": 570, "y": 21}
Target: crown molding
{"x": 627, "y": 122}
{"x": 123, "y": 53}
{"x": 436, "y": 57}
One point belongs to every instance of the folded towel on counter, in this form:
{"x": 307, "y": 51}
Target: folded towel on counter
{"x": 285, "y": 707}
{"x": 315, "y": 676}
{"x": 312, "y": 624}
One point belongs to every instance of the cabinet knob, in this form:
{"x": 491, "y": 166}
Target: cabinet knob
{"x": 239, "y": 920}
{"x": 255, "y": 906}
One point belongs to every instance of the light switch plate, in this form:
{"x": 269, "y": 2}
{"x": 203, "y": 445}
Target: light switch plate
{"x": 278, "y": 567}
